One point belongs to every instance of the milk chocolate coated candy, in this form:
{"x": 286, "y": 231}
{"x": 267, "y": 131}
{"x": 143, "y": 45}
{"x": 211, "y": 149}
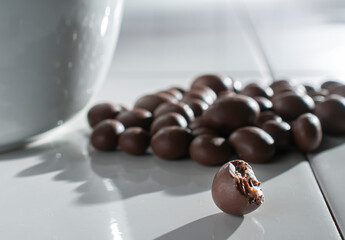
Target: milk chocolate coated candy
{"x": 289, "y": 105}
{"x": 198, "y": 94}
{"x": 134, "y": 140}
{"x": 206, "y": 90}
{"x": 266, "y": 116}
{"x": 137, "y": 117}
{"x": 264, "y": 103}
{"x": 168, "y": 119}
{"x": 254, "y": 90}
{"x": 105, "y": 135}
{"x": 210, "y": 150}
{"x": 231, "y": 113}
{"x": 171, "y": 142}
{"x": 217, "y": 83}
{"x": 205, "y": 131}
{"x": 152, "y": 101}
{"x": 280, "y": 132}
{"x": 174, "y": 92}
{"x": 331, "y": 114}
{"x": 235, "y": 189}
{"x": 103, "y": 111}
{"x": 180, "y": 107}
{"x": 253, "y": 144}
{"x": 307, "y": 132}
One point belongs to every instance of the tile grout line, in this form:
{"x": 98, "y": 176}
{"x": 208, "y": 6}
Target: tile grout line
{"x": 324, "y": 196}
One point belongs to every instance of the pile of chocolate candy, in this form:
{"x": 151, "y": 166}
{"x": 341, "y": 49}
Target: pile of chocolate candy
{"x": 215, "y": 119}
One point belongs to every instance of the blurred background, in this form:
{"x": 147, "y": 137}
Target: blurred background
{"x": 244, "y": 38}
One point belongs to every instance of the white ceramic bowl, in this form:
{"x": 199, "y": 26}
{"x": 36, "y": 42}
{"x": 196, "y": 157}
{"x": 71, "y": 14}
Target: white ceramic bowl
{"x": 53, "y": 54}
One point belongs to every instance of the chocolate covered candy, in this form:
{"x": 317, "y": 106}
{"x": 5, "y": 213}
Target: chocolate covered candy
{"x": 290, "y": 105}
{"x": 137, "y": 117}
{"x": 171, "y": 142}
{"x": 198, "y": 106}
{"x": 152, "y": 101}
{"x": 105, "y": 135}
{"x": 264, "y": 103}
{"x": 235, "y": 189}
{"x": 103, "y": 111}
{"x": 134, "y": 140}
{"x": 180, "y": 107}
{"x": 280, "y": 132}
{"x": 331, "y": 113}
{"x": 205, "y": 131}
{"x": 230, "y": 113}
{"x": 217, "y": 83}
{"x": 253, "y": 144}
{"x": 210, "y": 150}
{"x": 266, "y": 116}
{"x": 254, "y": 90}
{"x": 307, "y": 132}
{"x": 168, "y": 119}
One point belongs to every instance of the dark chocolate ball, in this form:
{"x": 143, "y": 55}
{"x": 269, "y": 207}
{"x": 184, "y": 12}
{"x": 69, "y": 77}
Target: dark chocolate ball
{"x": 307, "y": 133}
{"x": 231, "y": 113}
{"x": 134, "y": 140}
{"x": 204, "y": 131}
{"x": 309, "y": 88}
{"x": 137, "y": 117}
{"x": 289, "y": 105}
{"x": 198, "y": 94}
{"x": 105, "y": 135}
{"x": 264, "y": 103}
{"x": 199, "y": 122}
{"x": 168, "y": 119}
{"x": 198, "y": 106}
{"x": 206, "y": 90}
{"x": 253, "y": 144}
{"x": 171, "y": 142}
{"x": 279, "y": 83}
{"x": 152, "y": 101}
{"x": 180, "y": 107}
{"x": 236, "y": 86}
{"x": 217, "y": 83}
{"x": 331, "y": 114}
{"x": 235, "y": 189}
{"x": 209, "y": 150}
{"x": 280, "y": 132}
{"x": 330, "y": 84}
{"x": 173, "y": 92}
{"x": 339, "y": 90}
{"x": 254, "y": 90}
{"x": 225, "y": 94}
{"x": 103, "y": 111}
{"x": 266, "y": 116}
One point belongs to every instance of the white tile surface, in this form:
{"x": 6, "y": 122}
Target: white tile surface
{"x": 63, "y": 189}
{"x": 329, "y": 168}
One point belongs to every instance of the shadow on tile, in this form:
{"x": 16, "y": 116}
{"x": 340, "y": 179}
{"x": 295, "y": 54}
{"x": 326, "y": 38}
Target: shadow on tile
{"x": 217, "y": 226}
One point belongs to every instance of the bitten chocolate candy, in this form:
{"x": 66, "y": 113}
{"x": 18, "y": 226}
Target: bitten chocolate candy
{"x": 266, "y": 116}
{"x": 103, "y": 111}
{"x": 210, "y": 150}
{"x": 264, "y": 103}
{"x": 289, "y": 105}
{"x": 134, "y": 140}
{"x": 105, "y": 135}
{"x": 198, "y": 106}
{"x": 253, "y": 144}
{"x": 168, "y": 119}
{"x": 231, "y": 113}
{"x": 137, "y": 117}
{"x": 235, "y": 189}
{"x": 171, "y": 142}
{"x": 180, "y": 107}
{"x": 331, "y": 114}
{"x": 254, "y": 90}
{"x": 280, "y": 132}
{"x": 307, "y": 132}
{"x": 152, "y": 101}
{"x": 217, "y": 83}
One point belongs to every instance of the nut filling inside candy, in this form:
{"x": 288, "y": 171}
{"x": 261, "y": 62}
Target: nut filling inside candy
{"x": 246, "y": 182}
